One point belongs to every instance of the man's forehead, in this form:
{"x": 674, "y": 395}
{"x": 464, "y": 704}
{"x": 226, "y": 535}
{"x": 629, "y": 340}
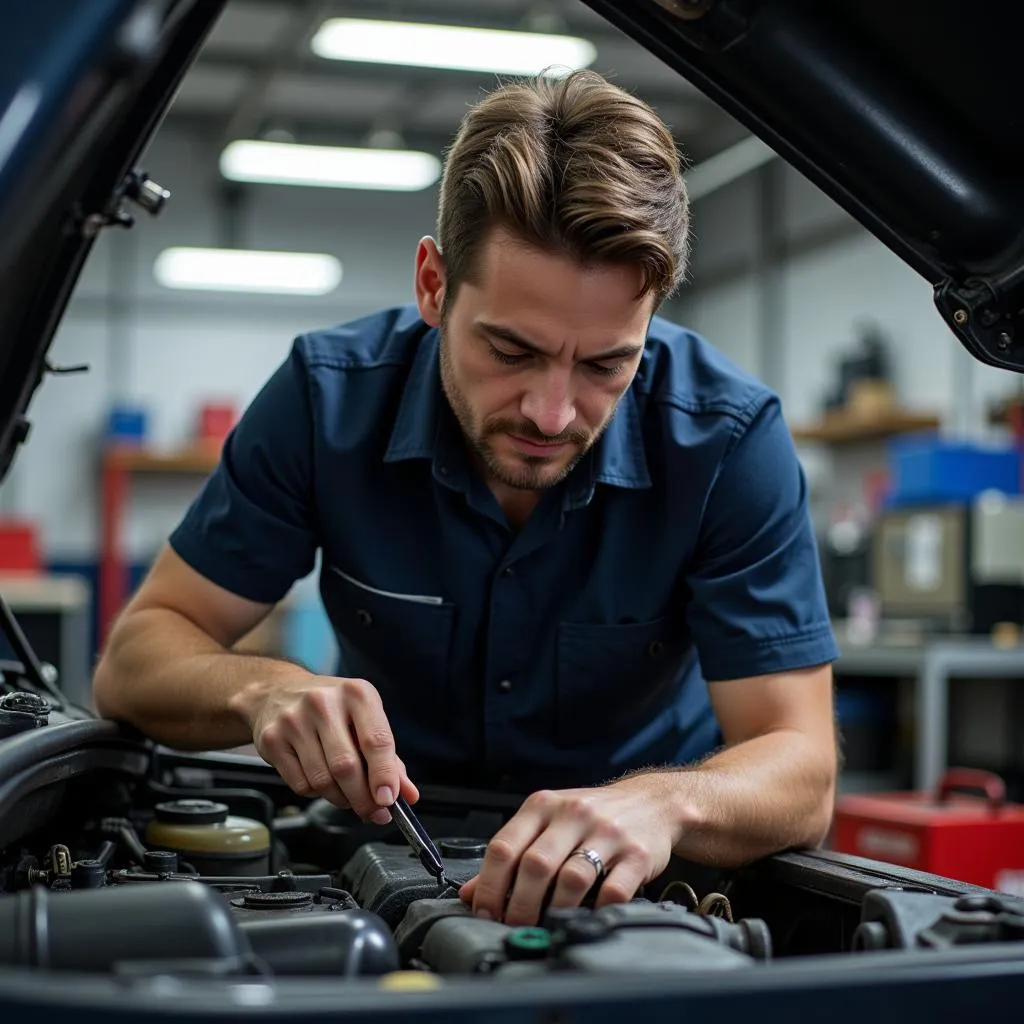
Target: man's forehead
{"x": 552, "y": 303}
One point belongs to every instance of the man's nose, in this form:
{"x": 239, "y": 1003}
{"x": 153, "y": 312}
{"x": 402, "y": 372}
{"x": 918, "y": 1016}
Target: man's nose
{"x": 549, "y": 405}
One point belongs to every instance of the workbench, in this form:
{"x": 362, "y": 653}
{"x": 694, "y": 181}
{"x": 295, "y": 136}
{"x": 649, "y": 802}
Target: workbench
{"x": 931, "y": 664}
{"x": 66, "y": 641}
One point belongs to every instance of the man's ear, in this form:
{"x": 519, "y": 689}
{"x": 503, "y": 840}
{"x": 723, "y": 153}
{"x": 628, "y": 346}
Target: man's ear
{"x": 429, "y": 281}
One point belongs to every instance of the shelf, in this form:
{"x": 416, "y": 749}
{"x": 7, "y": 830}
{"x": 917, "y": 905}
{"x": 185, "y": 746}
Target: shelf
{"x": 842, "y": 428}
{"x": 121, "y": 464}
{"x": 189, "y": 460}
{"x": 30, "y": 592}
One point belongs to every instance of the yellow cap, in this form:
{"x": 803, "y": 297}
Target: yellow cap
{"x": 409, "y": 981}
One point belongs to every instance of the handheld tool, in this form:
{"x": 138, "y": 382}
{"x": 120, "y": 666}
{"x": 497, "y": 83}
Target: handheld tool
{"x": 419, "y": 839}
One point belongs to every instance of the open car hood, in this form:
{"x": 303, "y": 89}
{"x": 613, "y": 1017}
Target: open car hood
{"x": 83, "y": 87}
{"x": 907, "y": 115}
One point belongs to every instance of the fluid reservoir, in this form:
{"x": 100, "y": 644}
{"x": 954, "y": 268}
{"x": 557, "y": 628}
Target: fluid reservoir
{"x": 212, "y": 840}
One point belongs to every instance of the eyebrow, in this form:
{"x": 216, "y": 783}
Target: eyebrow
{"x": 514, "y": 338}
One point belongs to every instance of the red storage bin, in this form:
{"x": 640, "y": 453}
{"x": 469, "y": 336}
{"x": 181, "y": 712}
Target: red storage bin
{"x": 969, "y": 838}
{"x": 19, "y": 546}
{"x": 216, "y": 421}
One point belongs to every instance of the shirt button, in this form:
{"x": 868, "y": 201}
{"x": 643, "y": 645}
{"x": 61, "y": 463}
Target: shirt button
{"x": 509, "y": 570}
{"x": 443, "y": 470}
{"x": 656, "y": 648}
{"x": 505, "y": 685}
{"x": 364, "y": 617}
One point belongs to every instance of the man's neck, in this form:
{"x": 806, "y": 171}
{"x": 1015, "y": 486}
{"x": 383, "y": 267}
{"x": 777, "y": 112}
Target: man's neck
{"x": 516, "y": 503}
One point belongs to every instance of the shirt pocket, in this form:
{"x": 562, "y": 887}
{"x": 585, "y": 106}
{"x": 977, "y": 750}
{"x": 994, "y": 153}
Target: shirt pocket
{"x": 401, "y": 643}
{"x": 614, "y": 679}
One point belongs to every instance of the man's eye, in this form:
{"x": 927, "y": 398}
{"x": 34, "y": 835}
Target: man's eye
{"x": 507, "y": 357}
{"x": 605, "y": 369}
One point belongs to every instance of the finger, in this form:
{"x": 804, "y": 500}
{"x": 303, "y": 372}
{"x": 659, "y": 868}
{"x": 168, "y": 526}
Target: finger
{"x": 621, "y": 883}
{"x": 540, "y": 864}
{"x": 467, "y": 890}
{"x": 377, "y": 744}
{"x": 406, "y": 786}
{"x": 313, "y": 766}
{"x": 343, "y": 764}
{"x": 283, "y": 756}
{"x": 288, "y": 767}
{"x": 501, "y": 860}
{"x": 575, "y": 879}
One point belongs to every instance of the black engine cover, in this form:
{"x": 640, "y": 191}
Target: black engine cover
{"x": 386, "y": 878}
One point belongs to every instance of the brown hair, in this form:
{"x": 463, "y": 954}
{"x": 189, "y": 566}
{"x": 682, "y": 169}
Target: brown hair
{"x": 574, "y": 165}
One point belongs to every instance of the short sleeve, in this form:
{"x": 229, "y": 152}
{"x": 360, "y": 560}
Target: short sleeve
{"x": 757, "y": 599}
{"x": 250, "y": 529}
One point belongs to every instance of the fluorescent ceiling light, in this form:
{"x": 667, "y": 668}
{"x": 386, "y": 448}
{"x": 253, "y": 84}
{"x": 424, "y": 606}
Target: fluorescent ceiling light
{"x": 450, "y": 46}
{"x": 285, "y": 163}
{"x": 248, "y": 270}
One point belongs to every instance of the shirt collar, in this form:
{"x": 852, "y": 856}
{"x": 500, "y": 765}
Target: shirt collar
{"x": 414, "y": 435}
{"x": 617, "y": 459}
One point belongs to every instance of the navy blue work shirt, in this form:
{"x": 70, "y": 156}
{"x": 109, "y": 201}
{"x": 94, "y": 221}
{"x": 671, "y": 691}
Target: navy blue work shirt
{"x": 678, "y": 551}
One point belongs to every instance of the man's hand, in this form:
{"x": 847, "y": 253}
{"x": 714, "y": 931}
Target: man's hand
{"x": 630, "y": 825}
{"x": 330, "y": 737}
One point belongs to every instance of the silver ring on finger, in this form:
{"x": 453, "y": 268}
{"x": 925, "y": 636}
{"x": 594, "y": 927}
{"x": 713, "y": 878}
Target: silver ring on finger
{"x": 593, "y": 857}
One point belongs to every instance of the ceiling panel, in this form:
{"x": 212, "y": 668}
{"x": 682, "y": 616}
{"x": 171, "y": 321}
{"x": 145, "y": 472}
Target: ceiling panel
{"x": 247, "y": 73}
{"x": 209, "y": 88}
{"x": 441, "y": 110}
{"x": 328, "y": 97}
{"x": 250, "y": 26}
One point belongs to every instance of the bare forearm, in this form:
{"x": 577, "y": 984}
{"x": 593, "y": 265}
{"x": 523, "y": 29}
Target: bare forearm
{"x": 770, "y": 793}
{"x": 174, "y": 683}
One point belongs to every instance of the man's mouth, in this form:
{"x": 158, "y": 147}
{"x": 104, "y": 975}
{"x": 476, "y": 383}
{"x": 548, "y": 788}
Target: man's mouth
{"x": 541, "y": 448}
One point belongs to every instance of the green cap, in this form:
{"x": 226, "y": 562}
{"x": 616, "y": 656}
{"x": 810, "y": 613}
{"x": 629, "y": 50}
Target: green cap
{"x": 521, "y": 943}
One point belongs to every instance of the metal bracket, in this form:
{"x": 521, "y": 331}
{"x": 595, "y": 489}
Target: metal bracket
{"x": 136, "y": 186}
{"x": 58, "y": 370}
{"x": 987, "y": 316}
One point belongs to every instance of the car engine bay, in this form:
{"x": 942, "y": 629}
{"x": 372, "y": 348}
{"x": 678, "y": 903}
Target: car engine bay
{"x": 122, "y": 859}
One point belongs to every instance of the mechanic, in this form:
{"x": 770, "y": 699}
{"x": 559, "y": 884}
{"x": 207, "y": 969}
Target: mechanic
{"x": 564, "y": 544}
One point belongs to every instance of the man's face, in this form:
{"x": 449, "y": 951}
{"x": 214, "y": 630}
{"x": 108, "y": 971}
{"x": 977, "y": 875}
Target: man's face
{"x": 535, "y": 356}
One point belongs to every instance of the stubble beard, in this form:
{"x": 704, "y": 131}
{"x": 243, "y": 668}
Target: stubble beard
{"x": 532, "y": 472}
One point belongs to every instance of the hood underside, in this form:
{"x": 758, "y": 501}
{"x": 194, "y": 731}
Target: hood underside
{"x": 908, "y": 115}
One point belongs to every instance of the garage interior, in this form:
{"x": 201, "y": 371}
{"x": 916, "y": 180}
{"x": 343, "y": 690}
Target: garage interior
{"x": 914, "y": 451}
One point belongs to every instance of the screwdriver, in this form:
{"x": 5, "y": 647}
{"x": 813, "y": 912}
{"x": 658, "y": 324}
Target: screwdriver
{"x": 419, "y": 839}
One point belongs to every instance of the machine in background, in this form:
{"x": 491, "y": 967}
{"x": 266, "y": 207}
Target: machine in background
{"x": 957, "y": 567}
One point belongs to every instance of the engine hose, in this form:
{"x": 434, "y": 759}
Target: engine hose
{"x": 715, "y": 904}
{"x": 690, "y": 901}
{"x": 124, "y": 831}
{"x": 180, "y": 920}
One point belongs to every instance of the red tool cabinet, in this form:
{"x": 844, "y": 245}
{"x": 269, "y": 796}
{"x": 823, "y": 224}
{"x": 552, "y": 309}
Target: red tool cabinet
{"x": 971, "y": 838}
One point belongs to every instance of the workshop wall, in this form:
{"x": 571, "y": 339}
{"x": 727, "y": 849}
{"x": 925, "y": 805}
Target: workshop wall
{"x": 832, "y": 274}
